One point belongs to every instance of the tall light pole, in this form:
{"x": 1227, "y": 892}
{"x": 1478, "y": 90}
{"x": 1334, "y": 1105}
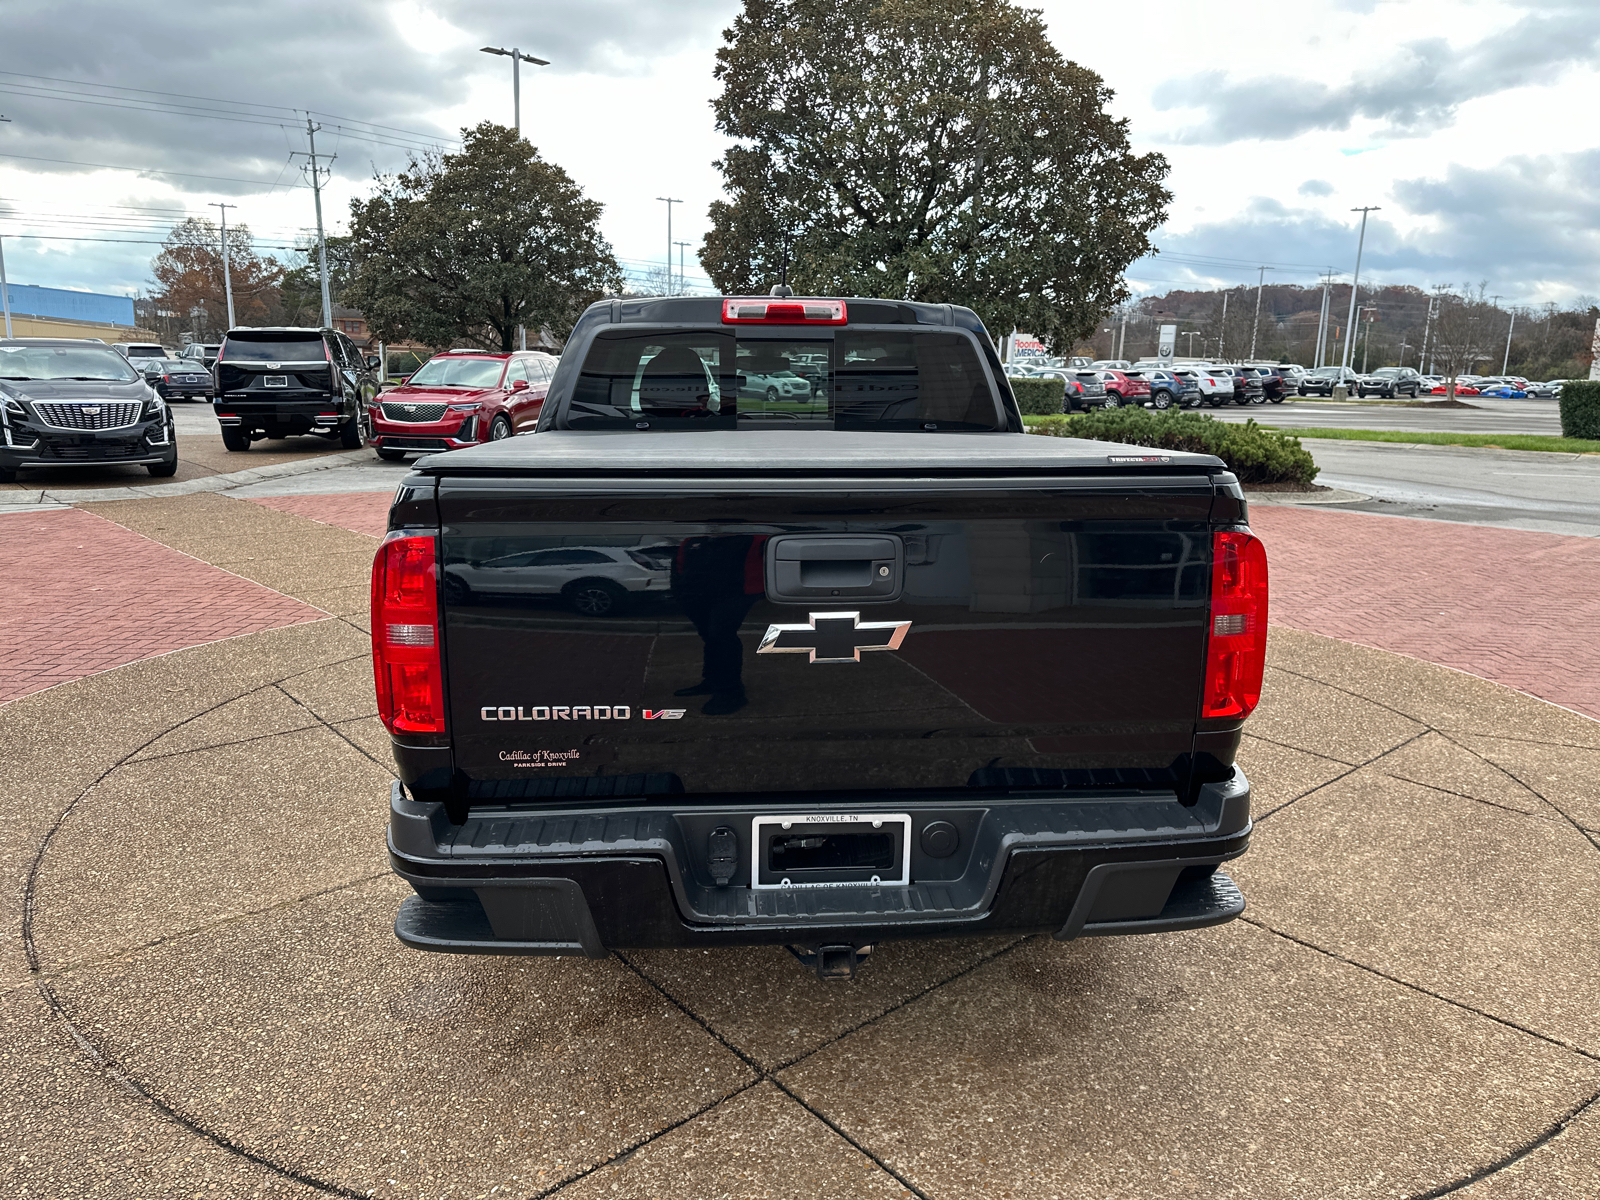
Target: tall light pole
{"x": 669, "y": 202}
{"x": 1322, "y": 316}
{"x": 1191, "y": 334}
{"x": 5, "y": 289}
{"x": 1122, "y": 338}
{"x": 1355, "y": 282}
{"x": 1506, "y": 362}
{"x": 517, "y": 58}
{"x": 1222, "y": 331}
{"x": 1261, "y": 281}
{"x": 682, "y": 284}
{"x": 227, "y": 279}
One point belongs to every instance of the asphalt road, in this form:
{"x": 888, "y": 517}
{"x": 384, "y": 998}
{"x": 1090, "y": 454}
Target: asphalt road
{"x": 1488, "y": 416}
{"x": 1554, "y": 493}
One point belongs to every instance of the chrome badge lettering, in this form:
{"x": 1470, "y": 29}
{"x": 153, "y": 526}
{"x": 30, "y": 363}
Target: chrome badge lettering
{"x": 555, "y": 712}
{"x": 834, "y": 637}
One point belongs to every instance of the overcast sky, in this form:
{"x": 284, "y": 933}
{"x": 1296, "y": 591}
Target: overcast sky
{"x": 1469, "y": 123}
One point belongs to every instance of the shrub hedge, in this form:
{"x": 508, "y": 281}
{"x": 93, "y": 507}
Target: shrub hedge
{"x": 1254, "y": 454}
{"x": 1580, "y": 409}
{"x": 1039, "y": 397}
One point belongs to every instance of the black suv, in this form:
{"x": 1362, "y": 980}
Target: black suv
{"x": 1275, "y": 385}
{"x": 276, "y": 383}
{"x": 71, "y": 403}
{"x": 1247, "y": 386}
{"x": 1391, "y": 382}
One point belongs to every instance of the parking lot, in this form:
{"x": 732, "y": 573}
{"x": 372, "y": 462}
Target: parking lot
{"x": 205, "y": 994}
{"x": 1487, "y": 415}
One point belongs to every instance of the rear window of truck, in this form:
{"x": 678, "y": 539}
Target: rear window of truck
{"x": 845, "y": 379}
{"x": 273, "y": 347}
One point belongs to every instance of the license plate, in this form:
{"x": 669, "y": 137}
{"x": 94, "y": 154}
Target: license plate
{"x": 275, "y": 381}
{"x": 831, "y": 850}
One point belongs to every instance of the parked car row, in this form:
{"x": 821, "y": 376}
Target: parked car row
{"x": 1114, "y": 383}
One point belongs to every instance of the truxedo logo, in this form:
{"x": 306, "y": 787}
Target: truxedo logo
{"x": 576, "y": 712}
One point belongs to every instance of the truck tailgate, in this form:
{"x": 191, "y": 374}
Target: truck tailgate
{"x": 882, "y": 638}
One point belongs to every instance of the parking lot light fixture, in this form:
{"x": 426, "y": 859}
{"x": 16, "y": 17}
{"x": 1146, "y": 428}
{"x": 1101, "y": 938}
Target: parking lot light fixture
{"x": 1355, "y": 284}
{"x": 517, "y": 58}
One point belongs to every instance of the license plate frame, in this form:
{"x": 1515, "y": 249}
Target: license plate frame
{"x": 274, "y": 381}
{"x": 763, "y": 828}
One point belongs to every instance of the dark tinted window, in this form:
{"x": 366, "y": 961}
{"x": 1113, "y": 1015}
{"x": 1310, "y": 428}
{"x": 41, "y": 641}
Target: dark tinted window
{"x": 853, "y": 379}
{"x": 273, "y": 347}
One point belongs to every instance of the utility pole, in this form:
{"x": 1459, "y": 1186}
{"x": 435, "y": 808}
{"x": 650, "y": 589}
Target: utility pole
{"x": 1355, "y": 283}
{"x": 1438, "y": 299}
{"x": 669, "y": 202}
{"x": 1506, "y": 362}
{"x": 1261, "y": 281}
{"x": 1427, "y": 326}
{"x": 227, "y": 279}
{"x": 1322, "y": 317}
{"x": 1366, "y": 344}
{"x": 322, "y": 241}
{"x": 1122, "y": 338}
{"x": 1223, "y": 330}
{"x": 682, "y": 285}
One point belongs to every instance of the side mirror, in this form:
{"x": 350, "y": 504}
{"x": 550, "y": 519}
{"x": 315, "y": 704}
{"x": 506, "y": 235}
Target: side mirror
{"x": 519, "y": 385}
{"x": 373, "y": 362}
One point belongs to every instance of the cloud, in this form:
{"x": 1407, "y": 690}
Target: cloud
{"x": 1530, "y": 225}
{"x": 363, "y": 60}
{"x": 1316, "y": 187}
{"x": 1412, "y": 92}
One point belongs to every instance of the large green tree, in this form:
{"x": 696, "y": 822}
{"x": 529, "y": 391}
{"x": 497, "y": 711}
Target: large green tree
{"x": 463, "y": 248}
{"x": 937, "y": 150}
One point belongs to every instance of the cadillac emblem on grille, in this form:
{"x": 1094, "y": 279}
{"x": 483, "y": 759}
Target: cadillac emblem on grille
{"x": 834, "y": 637}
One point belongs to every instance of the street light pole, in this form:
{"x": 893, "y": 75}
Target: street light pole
{"x": 5, "y": 288}
{"x": 517, "y": 58}
{"x": 682, "y": 285}
{"x": 1322, "y": 317}
{"x": 1261, "y": 281}
{"x": 1506, "y": 362}
{"x": 227, "y": 279}
{"x": 1355, "y": 283}
{"x": 669, "y": 202}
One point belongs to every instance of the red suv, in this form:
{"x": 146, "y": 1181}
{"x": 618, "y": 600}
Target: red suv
{"x": 460, "y": 398}
{"x": 1122, "y": 388}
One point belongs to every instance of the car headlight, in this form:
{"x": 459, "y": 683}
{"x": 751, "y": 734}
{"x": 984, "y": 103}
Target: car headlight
{"x": 14, "y": 408}
{"x": 154, "y": 406}
{"x": 473, "y": 407}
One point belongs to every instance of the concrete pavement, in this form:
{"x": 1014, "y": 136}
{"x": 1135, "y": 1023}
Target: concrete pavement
{"x": 202, "y": 993}
{"x": 1487, "y": 415}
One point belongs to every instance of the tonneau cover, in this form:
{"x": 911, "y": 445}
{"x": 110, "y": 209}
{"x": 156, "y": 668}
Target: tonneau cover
{"x": 822, "y": 451}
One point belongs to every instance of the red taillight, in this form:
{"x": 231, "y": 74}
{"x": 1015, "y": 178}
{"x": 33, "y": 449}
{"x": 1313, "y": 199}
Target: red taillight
{"x": 1236, "y": 653}
{"x": 405, "y": 635}
{"x": 758, "y": 310}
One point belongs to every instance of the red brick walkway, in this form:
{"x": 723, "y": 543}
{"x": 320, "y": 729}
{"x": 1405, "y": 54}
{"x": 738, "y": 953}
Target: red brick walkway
{"x": 1517, "y": 607}
{"x": 363, "y": 512}
{"x": 82, "y": 595}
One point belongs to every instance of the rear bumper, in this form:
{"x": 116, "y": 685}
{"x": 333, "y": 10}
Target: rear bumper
{"x": 586, "y": 882}
{"x": 300, "y": 415}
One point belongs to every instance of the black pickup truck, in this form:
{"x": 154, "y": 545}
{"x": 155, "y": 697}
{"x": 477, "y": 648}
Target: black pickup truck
{"x": 692, "y": 666}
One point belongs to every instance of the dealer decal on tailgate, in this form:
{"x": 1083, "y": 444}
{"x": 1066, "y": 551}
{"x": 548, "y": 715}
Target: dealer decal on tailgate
{"x": 575, "y": 712}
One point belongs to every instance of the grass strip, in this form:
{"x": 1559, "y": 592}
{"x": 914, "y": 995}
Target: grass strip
{"x": 1488, "y": 441}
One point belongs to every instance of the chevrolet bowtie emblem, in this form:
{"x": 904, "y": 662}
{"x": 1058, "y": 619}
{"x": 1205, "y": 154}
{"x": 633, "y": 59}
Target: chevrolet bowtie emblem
{"x": 834, "y": 637}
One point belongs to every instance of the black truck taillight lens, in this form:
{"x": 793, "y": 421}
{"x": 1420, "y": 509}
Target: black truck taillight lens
{"x": 405, "y": 635}
{"x": 1236, "y": 650}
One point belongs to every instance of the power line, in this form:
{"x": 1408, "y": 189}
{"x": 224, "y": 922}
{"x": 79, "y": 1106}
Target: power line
{"x": 151, "y": 171}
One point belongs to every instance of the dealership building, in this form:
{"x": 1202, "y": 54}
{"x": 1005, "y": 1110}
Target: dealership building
{"x": 57, "y": 312}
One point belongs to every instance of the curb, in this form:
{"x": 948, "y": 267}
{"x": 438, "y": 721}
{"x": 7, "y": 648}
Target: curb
{"x": 208, "y": 483}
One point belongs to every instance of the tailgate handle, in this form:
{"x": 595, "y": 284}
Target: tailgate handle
{"x": 803, "y": 568}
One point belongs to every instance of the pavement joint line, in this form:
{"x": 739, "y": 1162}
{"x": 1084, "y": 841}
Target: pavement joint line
{"x": 1258, "y": 923}
{"x": 1553, "y": 1131}
{"x": 633, "y": 1148}
{"x": 138, "y": 1091}
{"x": 1514, "y": 777}
{"x": 1343, "y": 775}
{"x": 771, "y": 1076}
{"x": 220, "y": 923}
{"x": 324, "y": 723}
{"x": 1434, "y": 787}
{"x": 1301, "y": 750}
{"x": 101, "y": 1060}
